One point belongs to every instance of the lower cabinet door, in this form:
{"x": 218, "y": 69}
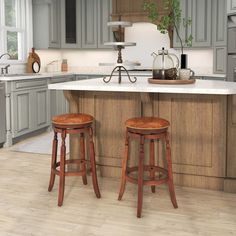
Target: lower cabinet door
{"x": 30, "y": 109}
{"x": 42, "y": 108}
{"x": 22, "y": 110}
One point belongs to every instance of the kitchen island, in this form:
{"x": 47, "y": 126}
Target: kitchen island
{"x": 202, "y": 117}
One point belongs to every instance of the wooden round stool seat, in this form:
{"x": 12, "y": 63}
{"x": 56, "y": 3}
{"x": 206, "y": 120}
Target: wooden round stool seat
{"x": 73, "y": 124}
{"x": 147, "y": 123}
{"x": 147, "y": 129}
{"x": 72, "y": 119}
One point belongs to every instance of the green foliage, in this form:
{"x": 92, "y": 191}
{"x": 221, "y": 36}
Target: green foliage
{"x": 171, "y": 21}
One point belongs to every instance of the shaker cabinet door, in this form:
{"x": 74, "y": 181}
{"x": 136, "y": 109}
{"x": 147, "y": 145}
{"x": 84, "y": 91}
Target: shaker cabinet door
{"x": 46, "y": 24}
{"x": 41, "y": 108}
{"x": 220, "y": 60}
{"x": 200, "y": 12}
{"x": 89, "y": 24}
{"x": 201, "y": 23}
{"x": 104, "y": 15}
{"x": 22, "y": 108}
{"x": 232, "y": 40}
{"x": 231, "y": 6}
{"x": 181, "y": 29}
{"x": 231, "y": 68}
{"x": 219, "y": 23}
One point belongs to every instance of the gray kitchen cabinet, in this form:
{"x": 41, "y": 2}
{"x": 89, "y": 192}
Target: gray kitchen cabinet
{"x": 182, "y": 30}
{"x": 231, "y": 68}
{"x": 27, "y": 107}
{"x": 200, "y": 13}
{"x": 219, "y": 36}
{"x": 30, "y": 106}
{"x": 201, "y": 23}
{"x": 46, "y": 24}
{"x": 232, "y": 40}
{"x": 219, "y": 23}
{"x": 84, "y": 23}
{"x": 105, "y": 33}
{"x": 89, "y": 24}
{"x": 58, "y": 102}
{"x": 71, "y": 17}
{"x": 219, "y": 60}
{"x": 231, "y": 6}
{"x": 2, "y": 114}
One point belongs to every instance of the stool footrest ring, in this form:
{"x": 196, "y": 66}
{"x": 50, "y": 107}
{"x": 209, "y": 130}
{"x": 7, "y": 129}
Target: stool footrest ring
{"x": 156, "y": 182}
{"x": 71, "y": 173}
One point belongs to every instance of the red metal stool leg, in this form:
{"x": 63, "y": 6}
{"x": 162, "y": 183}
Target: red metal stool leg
{"x": 93, "y": 164}
{"x": 152, "y": 163}
{"x": 62, "y": 169}
{"x": 124, "y": 167}
{"x": 140, "y": 177}
{"x": 53, "y": 162}
{"x": 170, "y": 175}
{"x": 82, "y": 157}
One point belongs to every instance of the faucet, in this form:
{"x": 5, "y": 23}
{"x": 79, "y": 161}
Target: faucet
{"x": 5, "y": 54}
{"x": 7, "y": 66}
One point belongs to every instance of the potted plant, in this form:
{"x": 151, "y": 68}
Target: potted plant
{"x": 169, "y": 22}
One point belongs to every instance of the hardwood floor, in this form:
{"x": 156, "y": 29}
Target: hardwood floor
{"x": 27, "y": 208}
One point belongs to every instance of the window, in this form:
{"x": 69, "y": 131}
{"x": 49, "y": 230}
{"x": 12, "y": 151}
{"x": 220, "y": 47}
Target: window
{"x": 13, "y": 29}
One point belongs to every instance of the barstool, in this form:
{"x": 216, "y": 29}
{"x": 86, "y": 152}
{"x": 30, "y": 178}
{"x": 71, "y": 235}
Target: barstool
{"x": 147, "y": 128}
{"x": 72, "y": 124}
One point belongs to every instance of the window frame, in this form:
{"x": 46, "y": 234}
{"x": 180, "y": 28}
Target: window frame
{"x": 23, "y": 27}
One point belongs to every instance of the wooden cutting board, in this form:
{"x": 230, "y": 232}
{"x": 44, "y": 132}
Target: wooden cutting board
{"x": 33, "y": 57}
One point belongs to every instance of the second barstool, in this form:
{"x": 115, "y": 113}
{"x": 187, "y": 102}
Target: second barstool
{"x": 72, "y": 124}
{"x": 147, "y": 128}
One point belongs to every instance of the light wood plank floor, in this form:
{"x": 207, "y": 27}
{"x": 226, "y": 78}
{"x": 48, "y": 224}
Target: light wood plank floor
{"x": 27, "y": 208}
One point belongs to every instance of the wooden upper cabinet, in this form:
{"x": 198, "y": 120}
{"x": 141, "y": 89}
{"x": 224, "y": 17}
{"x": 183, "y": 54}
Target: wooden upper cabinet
{"x": 132, "y": 10}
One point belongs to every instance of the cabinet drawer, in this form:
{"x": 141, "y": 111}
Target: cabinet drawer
{"x": 18, "y": 85}
{"x": 61, "y": 79}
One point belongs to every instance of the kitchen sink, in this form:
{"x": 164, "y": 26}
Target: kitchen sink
{"x": 22, "y": 74}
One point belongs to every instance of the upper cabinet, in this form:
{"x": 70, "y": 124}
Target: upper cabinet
{"x": 200, "y": 13}
{"x": 104, "y": 15}
{"x": 219, "y": 36}
{"x": 71, "y": 17}
{"x": 219, "y": 23}
{"x": 71, "y": 23}
{"x": 46, "y": 24}
{"x": 231, "y": 6}
{"x": 84, "y": 23}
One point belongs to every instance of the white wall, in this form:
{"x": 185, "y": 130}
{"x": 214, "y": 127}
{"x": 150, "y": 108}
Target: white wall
{"x": 148, "y": 40}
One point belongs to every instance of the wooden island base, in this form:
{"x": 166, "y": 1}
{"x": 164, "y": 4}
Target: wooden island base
{"x": 203, "y": 133}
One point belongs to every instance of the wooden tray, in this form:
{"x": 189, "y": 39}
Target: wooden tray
{"x": 167, "y": 81}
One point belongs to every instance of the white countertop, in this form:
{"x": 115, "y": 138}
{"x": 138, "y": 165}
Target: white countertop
{"x": 34, "y": 76}
{"x": 142, "y": 85}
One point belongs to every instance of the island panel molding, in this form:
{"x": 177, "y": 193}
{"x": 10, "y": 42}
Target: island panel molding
{"x": 202, "y": 127}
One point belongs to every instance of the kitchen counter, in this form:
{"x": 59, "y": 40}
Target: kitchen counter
{"x": 202, "y": 117}
{"x": 142, "y": 85}
{"x": 24, "y": 76}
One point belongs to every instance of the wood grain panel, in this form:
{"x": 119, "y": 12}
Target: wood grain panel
{"x": 198, "y": 132}
{"x": 111, "y": 112}
{"x": 231, "y": 137}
